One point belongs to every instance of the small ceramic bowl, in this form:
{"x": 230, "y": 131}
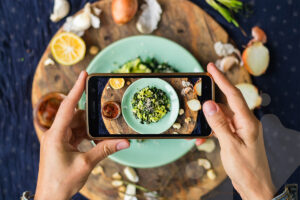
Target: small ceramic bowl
{"x": 43, "y": 109}
{"x": 114, "y": 105}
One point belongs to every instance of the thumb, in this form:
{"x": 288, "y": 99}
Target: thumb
{"x": 104, "y": 149}
{"x": 218, "y": 122}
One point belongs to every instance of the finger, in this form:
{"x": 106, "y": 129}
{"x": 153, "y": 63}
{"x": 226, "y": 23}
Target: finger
{"x": 233, "y": 95}
{"x": 104, "y": 149}
{"x": 218, "y": 122}
{"x": 66, "y": 110}
{"x": 226, "y": 110}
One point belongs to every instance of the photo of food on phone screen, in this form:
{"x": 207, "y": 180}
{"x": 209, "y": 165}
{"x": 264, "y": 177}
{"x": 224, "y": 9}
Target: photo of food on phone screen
{"x": 148, "y": 105}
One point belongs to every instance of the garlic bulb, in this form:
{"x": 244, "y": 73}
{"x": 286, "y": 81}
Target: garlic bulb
{"x": 78, "y": 24}
{"x": 150, "y": 17}
{"x": 60, "y": 10}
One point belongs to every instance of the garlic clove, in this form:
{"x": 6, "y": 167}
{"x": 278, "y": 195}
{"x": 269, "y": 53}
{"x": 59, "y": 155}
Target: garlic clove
{"x": 152, "y": 196}
{"x": 121, "y": 194}
{"x": 96, "y": 11}
{"x": 228, "y": 62}
{"x": 116, "y": 176}
{"x": 131, "y": 174}
{"x": 49, "y": 61}
{"x": 81, "y": 21}
{"x": 186, "y": 84}
{"x": 95, "y": 21}
{"x": 97, "y": 170}
{"x": 187, "y": 120}
{"x": 225, "y": 49}
{"x": 150, "y": 17}
{"x": 117, "y": 183}
{"x": 177, "y": 125}
{"x": 208, "y": 146}
{"x": 204, "y": 163}
{"x": 181, "y": 111}
{"x": 122, "y": 189}
{"x": 130, "y": 192}
{"x": 211, "y": 174}
{"x": 186, "y": 91}
{"x": 60, "y": 10}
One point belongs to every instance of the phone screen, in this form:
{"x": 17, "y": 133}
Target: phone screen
{"x": 158, "y": 106}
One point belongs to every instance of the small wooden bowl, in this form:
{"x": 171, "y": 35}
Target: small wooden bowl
{"x": 52, "y": 95}
{"x": 115, "y": 104}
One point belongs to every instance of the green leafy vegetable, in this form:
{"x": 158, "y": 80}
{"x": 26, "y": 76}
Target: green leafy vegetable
{"x": 150, "y": 65}
{"x": 226, "y": 8}
{"x": 150, "y": 104}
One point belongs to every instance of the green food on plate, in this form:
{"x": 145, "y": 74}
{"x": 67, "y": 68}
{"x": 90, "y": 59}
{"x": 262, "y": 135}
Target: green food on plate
{"x": 150, "y": 104}
{"x": 150, "y": 65}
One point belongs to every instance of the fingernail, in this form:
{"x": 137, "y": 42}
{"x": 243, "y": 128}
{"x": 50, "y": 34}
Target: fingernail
{"x": 122, "y": 145}
{"x": 210, "y": 108}
{"x": 81, "y": 74}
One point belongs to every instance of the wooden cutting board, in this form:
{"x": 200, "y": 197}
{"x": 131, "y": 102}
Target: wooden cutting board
{"x": 184, "y": 23}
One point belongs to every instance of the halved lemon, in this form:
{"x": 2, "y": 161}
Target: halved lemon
{"x": 116, "y": 83}
{"x": 67, "y": 48}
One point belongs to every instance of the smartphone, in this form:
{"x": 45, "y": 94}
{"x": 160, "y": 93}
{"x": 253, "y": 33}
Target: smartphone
{"x": 148, "y": 106}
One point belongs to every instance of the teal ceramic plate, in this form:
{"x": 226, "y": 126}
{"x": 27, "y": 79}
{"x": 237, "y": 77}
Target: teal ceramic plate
{"x": 153, "y": 128}
{"x": 150, "y": 153}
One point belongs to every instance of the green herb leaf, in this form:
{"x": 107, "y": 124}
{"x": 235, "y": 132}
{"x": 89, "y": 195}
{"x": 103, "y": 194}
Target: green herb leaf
{"x": 226, "y": 8}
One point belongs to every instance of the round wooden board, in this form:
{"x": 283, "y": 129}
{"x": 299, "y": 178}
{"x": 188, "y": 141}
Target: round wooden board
{"x": 120, "y": 126}
{"x": 182, "y": 22}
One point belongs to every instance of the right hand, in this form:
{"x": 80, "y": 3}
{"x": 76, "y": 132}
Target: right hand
{"x": 240, "y": 136}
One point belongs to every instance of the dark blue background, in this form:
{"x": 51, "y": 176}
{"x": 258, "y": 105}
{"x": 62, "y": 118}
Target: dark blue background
{"x": 25, "y": 30}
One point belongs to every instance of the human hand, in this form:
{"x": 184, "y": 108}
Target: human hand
{"x": 63, "y": 170}
{"x": 240, "y": 136}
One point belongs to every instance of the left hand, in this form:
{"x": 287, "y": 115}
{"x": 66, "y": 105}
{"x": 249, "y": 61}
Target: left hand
{"x": 63, "y": 170}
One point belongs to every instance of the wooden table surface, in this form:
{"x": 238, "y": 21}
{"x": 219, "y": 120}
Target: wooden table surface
{"x": 184, "y": 23}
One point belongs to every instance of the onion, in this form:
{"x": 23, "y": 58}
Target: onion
{"x": 123, "y": 10}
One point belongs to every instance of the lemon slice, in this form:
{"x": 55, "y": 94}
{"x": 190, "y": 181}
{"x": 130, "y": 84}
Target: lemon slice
{"x": 67, "y": 48}
{"x": 116, "y": 83}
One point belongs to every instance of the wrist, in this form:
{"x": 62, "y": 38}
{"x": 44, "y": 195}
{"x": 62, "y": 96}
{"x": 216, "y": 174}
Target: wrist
{"x": 46, "y": 195}
{"x": 261, "y": 192}
{"x": 50, "y": 192}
